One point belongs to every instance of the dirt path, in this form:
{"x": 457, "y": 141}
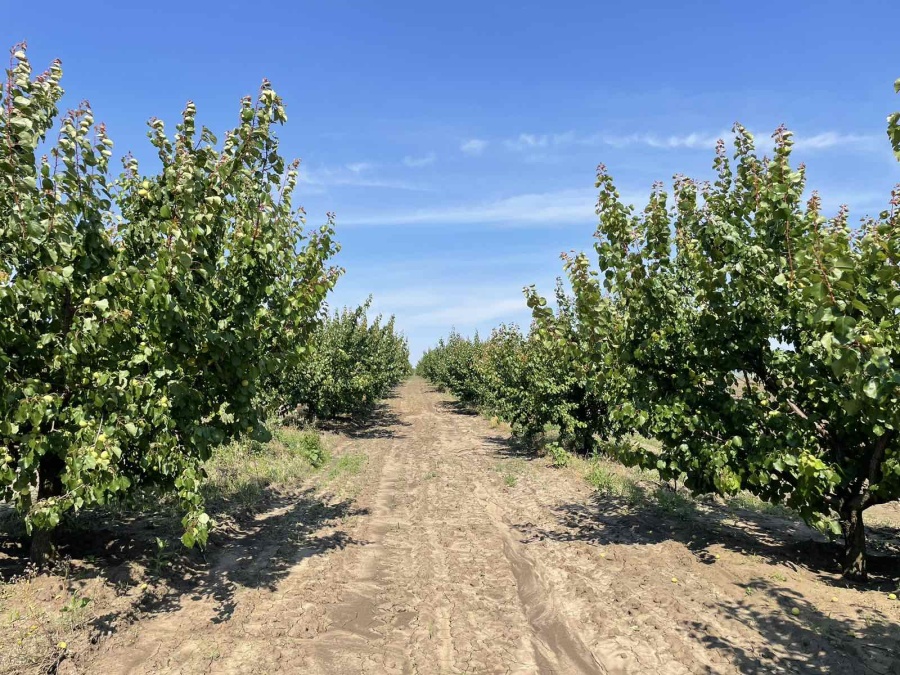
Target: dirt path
{"x": 455, "y": 557}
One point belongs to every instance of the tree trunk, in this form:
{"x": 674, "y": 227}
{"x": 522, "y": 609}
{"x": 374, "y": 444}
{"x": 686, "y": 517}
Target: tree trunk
{"x": 853, "y": 566}
{"x": 49, "y": 485}
{"x": 42, "y": 550}
{"x": 581, "y": 443}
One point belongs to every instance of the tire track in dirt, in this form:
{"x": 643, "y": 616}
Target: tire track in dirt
{"x": 557, "y": 645}
{"x": 434, "y": 582}
{"x": 450, "y": 566}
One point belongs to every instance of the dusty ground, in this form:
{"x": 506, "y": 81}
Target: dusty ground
{"x": 430, "y": 546}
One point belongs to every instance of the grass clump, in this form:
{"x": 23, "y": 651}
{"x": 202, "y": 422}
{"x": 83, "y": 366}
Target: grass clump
{"x": 673, "y": 502}
{"x": 643, "y": 487}
{"x": 348, "y": 465}
{"x": 38, "y": 629}
{"x": 510, "y": 470}
{"x": 307, "y": 442}
{"x": 749, "y": 502}
{"x": 611, "y": 483}
{"x": 558, "y": 455}
{"x": 242, "y": 472}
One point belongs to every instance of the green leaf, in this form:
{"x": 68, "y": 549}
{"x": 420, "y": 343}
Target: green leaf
{"x": 140, "y": 383}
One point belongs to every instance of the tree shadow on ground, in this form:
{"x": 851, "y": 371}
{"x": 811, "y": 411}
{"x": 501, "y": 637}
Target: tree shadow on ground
{"x": 452, "y": 405}
{"x": 251, "y": 550}
{"x": 515, "y": 448}
{"x": 642, "y": 511}
{"x": 457, "y": 408}
{"x": 814, "y": 641}
{"x": 378, "y": 422}
{"x": 645, "y": 517}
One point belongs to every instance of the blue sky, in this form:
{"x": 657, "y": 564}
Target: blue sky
{"x": 457, "y": 143}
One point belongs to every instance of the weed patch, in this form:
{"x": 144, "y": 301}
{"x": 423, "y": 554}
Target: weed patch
{"x": 347, "y": 465}
{"x": 241, "y": 472}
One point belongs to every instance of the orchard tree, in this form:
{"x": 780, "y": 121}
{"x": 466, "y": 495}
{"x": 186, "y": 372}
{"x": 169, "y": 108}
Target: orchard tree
{"x": 504, "y": 376}
{"x": 572, "y": 384}
{"x": 140, "y": 314}
{"x": 452, "y": 365}
{"x": 353, "y": 362}
{"x": 894, "y": 125}
{"x": 760, "y": 340}
{"x": 536, "y": 382}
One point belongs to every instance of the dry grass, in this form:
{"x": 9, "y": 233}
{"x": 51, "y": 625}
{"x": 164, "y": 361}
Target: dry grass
{"x": 242, "y": 473}
{"x": 639, "y": 486}
{"x": 45, "y": 617}
{"x": 48, "y": 620}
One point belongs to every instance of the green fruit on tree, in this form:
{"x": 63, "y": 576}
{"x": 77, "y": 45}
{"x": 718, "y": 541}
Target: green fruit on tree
{"x": 760, "y": 299}
{"x": 357, "y": 360}
{"x": 177, "y": 293}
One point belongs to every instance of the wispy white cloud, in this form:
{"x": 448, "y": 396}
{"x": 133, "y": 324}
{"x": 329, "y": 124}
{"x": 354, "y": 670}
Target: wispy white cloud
{"x": 425, "y": 314}
{"x": 530, "y": 142}
{"x": 357, "y": 174}
{"x": 418, "y": 162}
{"x": 550, "y": 208}
{"x": 406, "y": 298}
{"x": 473, "y": 146}
{"x": 467, "y": 312}
{"x": 486, "y": 263}
{"x": 541, "y": 141}
{"x": 833, "y": 139}
{"x": 358, "y": 167}
{"x": 691, "y": 141}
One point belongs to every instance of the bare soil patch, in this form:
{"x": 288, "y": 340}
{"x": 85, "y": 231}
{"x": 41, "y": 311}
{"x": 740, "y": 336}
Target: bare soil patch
{"x": 429, "y": 544}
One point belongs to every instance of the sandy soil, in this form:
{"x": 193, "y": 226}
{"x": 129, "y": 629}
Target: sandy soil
{"x": 448, "y": 553}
